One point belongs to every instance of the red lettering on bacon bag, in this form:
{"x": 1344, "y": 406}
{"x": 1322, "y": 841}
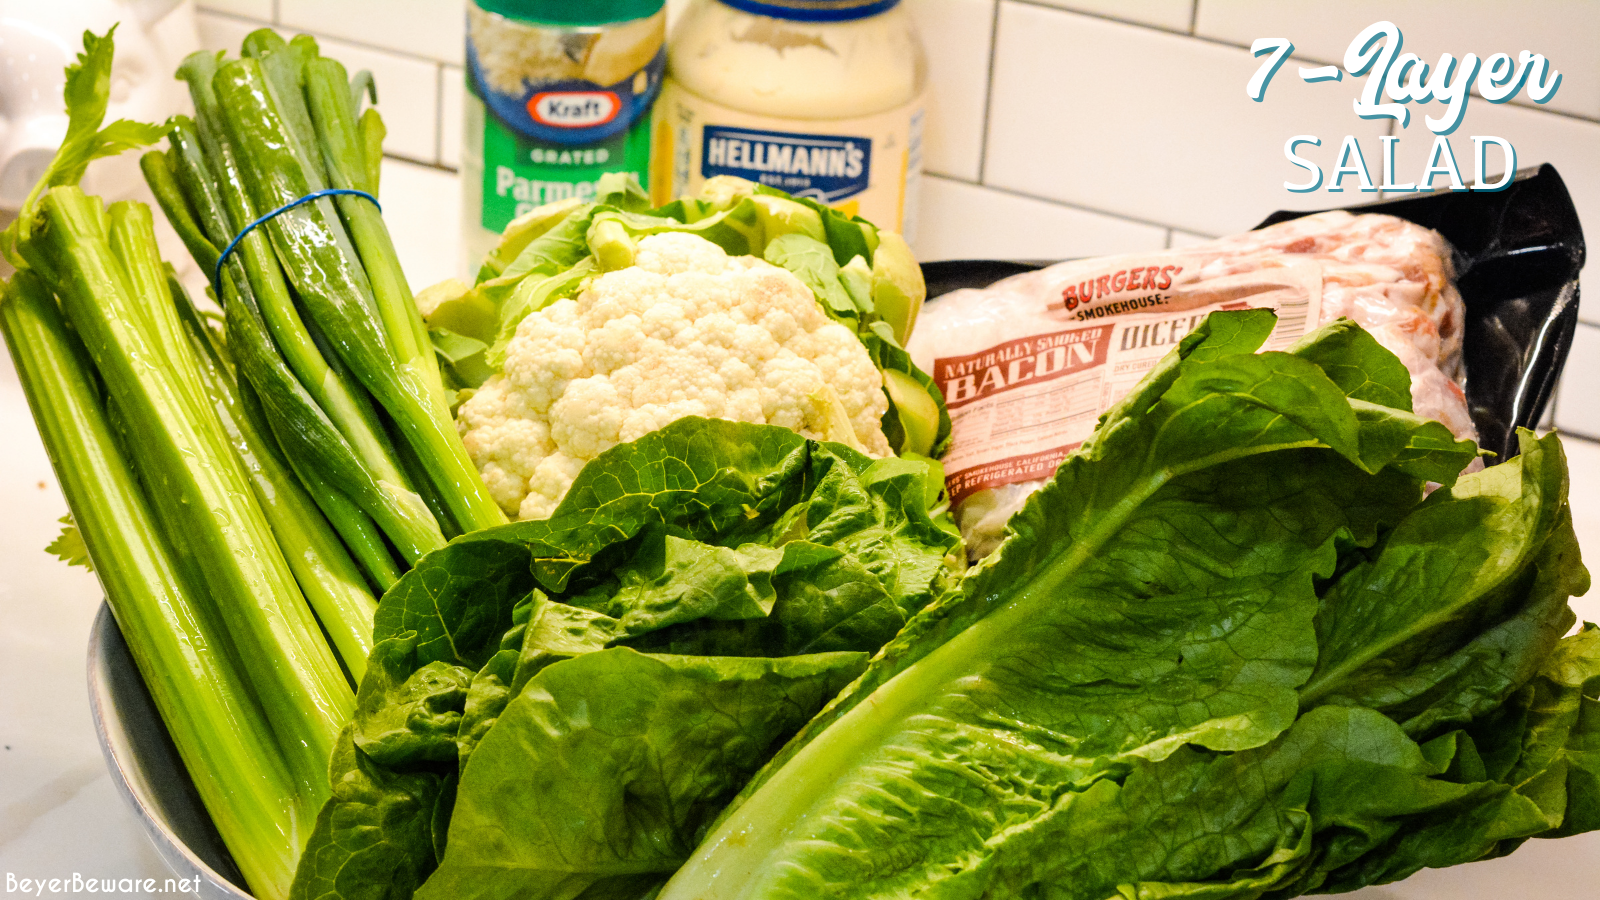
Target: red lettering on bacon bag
{"x": 1021, "y": 362}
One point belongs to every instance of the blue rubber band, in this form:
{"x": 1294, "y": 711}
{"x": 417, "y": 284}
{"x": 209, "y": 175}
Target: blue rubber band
{"x": 216, "y": 275}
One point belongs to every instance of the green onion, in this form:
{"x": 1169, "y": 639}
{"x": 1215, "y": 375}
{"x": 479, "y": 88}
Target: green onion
{"x": 328, "y": 276}
{"x": 299, "y": 418}
{"x": 306, "y": 433}
{"x": 256, "y": 271}
{"x": 326, "y": 573}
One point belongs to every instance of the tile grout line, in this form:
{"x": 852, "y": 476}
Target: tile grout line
{"x": 1194, "y": 16}
{"x": 988, "y": 89}
{"x": 1179, "y": 32}
{"x": 324, "y": 36}
{"x": 412, "y": 161}
{"x": 438, "y": 115}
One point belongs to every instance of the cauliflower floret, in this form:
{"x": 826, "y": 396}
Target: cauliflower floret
{"x": 686, "y": 331}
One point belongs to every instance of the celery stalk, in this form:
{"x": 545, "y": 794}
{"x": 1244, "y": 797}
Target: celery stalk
{"x": 133, "y": 243}
{"x": 287, "y": 662}
{"x": 222, "y": 736}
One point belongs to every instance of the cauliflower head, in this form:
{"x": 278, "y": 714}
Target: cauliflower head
{"x": 686, "y": 331}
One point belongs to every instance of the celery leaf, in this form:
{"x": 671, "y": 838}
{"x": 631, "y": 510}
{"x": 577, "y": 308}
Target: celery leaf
{"x": 68, "y": 545}
{"x": 87, "y": 93}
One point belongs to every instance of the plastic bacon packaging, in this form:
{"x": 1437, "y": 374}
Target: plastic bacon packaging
{"x": 1028, "y": 363}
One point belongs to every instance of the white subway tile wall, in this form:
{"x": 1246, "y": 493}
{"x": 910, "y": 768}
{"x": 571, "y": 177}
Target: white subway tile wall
{"x": 1066, "y": 128}
{"x": 1170, "y": 140}
{"x": 408, "y": 87}
{"x": 1577, "y": 408}
{"x": 957, "y": 35}
{"x": 430, "y": 29}
{"x": 453, "y": 89}
{"x": 963, "y": 220}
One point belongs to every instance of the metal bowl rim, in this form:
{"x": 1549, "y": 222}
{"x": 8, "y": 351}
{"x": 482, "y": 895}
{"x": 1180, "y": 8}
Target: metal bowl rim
{"x": 155, "y": 826}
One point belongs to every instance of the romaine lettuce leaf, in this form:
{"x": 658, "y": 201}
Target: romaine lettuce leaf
{"x": 1218, "y": 655}
{"x": 1230, "y": 651}
{"x": 604, "y": 766}
{"x": 699, "y": 594}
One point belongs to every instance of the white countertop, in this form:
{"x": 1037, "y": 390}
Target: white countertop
{"x": 60, "y": 813}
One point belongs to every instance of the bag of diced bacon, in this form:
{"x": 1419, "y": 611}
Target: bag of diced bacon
{"x": 1028, "y": 363}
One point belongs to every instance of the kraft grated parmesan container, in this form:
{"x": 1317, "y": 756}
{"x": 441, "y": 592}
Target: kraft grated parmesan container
{"x": 559, "y": 93}
{"x": 820, "y": 98}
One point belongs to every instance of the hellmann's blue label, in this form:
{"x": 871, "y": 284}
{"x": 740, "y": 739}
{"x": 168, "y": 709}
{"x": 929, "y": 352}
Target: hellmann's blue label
{"x": 825, "y": 167}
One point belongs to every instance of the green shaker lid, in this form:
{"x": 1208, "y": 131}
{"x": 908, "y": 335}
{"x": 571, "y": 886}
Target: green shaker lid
{"x": 572, "y": 13}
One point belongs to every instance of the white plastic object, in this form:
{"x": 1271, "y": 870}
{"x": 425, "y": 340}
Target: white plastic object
{"x": 38, "y": 40}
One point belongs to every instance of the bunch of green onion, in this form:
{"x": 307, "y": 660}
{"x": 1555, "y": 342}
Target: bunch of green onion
{"x": 319, "y": 316}
{"x": 243, "y": 496}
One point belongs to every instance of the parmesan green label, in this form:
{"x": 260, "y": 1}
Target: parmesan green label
{"x": 521, "y": 173}
{"x": 561, "y": 106}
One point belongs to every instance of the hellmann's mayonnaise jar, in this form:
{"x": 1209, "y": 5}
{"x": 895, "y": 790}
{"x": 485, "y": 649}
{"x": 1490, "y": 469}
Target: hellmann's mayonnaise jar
{"x": 821, "y": 98}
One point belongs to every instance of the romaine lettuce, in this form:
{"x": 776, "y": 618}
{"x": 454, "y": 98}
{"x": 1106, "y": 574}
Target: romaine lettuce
{"x": 1225, "y": 652}
{"x": 1233, "y": 649}
{"x": 562, "y": 704}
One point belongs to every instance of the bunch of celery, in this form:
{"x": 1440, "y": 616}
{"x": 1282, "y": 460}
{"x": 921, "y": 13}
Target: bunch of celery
{"x": 206, "y": 545}
{"x": 320, "y": 321}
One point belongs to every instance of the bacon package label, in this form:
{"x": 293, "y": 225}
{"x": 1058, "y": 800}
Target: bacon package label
{"x": 1093, "y": 329}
